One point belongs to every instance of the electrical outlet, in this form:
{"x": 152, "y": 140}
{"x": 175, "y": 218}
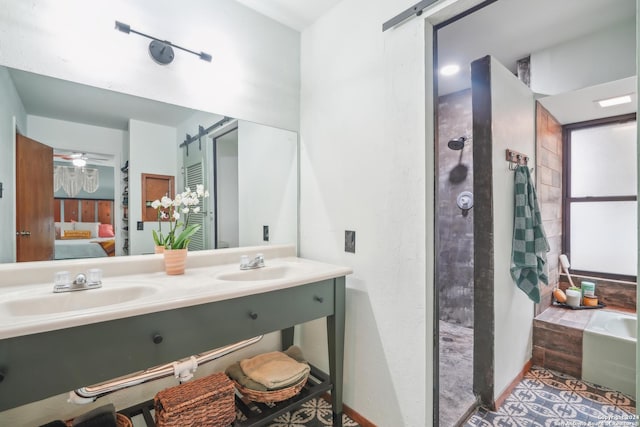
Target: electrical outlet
{"x": 350, "y": 241}
{"x": 140, "y": 225}
{"x": 265, "y": 233}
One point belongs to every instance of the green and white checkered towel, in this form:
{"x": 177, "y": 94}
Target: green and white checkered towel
{"x": 530, "y": 246}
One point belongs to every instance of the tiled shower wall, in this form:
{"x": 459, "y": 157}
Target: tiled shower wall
{"x": 549, "y": 191}
{"x": 455, "y": 174}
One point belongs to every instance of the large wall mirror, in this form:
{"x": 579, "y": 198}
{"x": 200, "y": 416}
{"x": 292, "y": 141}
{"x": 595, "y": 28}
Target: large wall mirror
{"x": 100, "y": 143}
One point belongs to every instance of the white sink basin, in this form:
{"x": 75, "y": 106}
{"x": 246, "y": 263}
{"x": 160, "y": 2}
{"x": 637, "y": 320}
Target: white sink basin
{"x": 73, "y": 301}
{"x": 259, "y": 274}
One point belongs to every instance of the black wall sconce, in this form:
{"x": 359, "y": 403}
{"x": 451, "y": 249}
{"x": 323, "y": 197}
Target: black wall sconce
{"x": 160, "y": 50}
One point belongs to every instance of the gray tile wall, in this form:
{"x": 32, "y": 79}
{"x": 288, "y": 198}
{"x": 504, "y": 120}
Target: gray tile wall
{"x": 455, "y": 174}
{"x": 549, "y": 190}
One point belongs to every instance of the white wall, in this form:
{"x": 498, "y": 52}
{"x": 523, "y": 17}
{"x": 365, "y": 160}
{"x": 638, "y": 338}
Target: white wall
{"x": 367, "y": 165}
{"x": 513, "y": 126}
{"x": 254, "y": 74}
{"x": 10, "y": 107}
{"x": 569, "y": 66}
{"x": 71, "y": 136}
{"x": 152, "y": 150}
{"x": 267, "y": 184}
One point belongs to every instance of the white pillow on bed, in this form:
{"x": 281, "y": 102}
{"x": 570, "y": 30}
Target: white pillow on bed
{"x": 91, "y": 226}
{"x": 61, "y": 227}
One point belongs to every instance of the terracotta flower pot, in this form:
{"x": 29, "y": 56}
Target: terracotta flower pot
{"x": 174, "y": 261}
{"x": 158, "y": 249}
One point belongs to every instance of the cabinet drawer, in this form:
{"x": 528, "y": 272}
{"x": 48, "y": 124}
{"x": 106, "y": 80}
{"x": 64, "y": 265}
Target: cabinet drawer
{"x": 41, "y": 365}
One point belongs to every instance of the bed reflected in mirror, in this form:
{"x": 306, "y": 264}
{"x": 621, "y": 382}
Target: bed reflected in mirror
{"x": 83, "y": 206}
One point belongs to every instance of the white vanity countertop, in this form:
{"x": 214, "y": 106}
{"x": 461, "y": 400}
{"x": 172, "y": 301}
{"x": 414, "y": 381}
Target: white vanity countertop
{"x": 29, "y": 308}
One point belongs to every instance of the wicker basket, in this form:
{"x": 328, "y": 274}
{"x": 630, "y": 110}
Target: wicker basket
{"x": 207, "y": 401}
{"x": 121, "y": 420}
{"x": 272, "y": 395}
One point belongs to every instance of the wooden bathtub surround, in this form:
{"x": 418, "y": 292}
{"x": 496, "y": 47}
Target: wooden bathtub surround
{"x": 615, "y": 294}
{"x": 557, "y": 338}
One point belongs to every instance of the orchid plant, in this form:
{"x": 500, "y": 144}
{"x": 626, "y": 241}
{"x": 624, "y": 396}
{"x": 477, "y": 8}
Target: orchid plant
{"x": 174, "y": 210}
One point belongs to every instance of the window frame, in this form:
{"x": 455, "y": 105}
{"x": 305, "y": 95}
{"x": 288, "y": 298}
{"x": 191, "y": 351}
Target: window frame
{"x": 567, "y": 200}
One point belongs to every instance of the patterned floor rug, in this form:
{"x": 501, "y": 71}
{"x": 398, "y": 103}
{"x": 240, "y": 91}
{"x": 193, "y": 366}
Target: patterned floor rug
{"x": 546, "y": 398}
{"x": 314, "y": 413}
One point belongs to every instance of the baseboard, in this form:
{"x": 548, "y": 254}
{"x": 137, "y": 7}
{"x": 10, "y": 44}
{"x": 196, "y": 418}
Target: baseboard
{"x": 500, "y": 400}
{"x": 362, "y": 421}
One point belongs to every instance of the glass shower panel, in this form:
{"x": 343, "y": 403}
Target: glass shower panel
{"x": 604, "y": 237}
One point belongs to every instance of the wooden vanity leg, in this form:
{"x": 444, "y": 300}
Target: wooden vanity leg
{"x": 335, "y": 335}
{"x": 286, "y": 338}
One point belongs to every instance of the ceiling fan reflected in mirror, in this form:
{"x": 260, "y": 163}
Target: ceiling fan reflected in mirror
{"x": 78, "y": 159}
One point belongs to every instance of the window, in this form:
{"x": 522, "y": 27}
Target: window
{"x": 600, "y": 193}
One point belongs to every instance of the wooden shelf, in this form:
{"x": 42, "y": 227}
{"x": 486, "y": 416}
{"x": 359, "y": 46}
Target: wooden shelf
{"x": 256, "y": 414}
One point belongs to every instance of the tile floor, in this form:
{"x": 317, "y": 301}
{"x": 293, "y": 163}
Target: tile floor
{"x": 546, "y": 398}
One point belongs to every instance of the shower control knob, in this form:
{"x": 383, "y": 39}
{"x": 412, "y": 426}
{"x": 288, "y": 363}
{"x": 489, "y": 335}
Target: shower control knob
{"x": 465, "y": 200}
{"x": 157, "y": 339}
{"x": 253, "y": 315}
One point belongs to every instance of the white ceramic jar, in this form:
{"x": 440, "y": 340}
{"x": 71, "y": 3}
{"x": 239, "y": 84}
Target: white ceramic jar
{"x": 573, "y": 297}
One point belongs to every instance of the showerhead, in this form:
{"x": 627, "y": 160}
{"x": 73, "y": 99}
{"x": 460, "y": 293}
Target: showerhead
{"x": 457, "y": 143}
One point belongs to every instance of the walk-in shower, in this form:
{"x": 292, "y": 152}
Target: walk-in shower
{"x": 455, "y": 257}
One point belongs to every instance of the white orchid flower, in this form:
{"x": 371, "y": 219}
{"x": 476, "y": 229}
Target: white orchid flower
{"x": 196, "y": 209}
{"x": 155, "y": 204}
{"x": 176, "y": 215}
{"x": 206, "y": 193}
{"x": 185, "y": 210}
{"x": 165, "y": 202}
{"x": 200, "y": 190}
{"x": 164, "y": 215}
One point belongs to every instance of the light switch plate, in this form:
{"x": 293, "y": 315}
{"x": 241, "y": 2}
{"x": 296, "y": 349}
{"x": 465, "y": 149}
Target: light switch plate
{"x": 350, "y": 241}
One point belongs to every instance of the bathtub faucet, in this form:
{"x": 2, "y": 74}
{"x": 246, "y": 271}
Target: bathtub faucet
{"x": 246, "y": 264}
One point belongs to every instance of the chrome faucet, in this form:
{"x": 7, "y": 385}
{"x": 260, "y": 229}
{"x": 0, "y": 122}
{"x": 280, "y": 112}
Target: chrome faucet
{"x": 247, "y": 264}
{"x": 80, "y": 283}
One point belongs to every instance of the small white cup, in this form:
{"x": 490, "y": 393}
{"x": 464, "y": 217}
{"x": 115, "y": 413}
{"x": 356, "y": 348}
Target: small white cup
{"x": 573, "y": 298}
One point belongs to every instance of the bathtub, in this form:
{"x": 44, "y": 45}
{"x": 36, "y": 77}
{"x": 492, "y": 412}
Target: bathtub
{"x": 609, "y": 351}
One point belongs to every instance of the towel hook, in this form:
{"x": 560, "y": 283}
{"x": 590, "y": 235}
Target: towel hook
{"x": 516, "y": 159}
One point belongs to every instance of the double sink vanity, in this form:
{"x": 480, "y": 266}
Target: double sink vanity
{"x": 51, "y": 343}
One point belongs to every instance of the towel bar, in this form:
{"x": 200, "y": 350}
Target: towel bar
{"x": 91, "y": 393}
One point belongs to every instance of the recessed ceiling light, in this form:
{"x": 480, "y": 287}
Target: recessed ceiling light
{"x": 610, "y": 102}
{"x": 449, "y": 70}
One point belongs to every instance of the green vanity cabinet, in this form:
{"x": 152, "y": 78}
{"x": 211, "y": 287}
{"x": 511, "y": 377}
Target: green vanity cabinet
{"x": 33, "y": 367}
